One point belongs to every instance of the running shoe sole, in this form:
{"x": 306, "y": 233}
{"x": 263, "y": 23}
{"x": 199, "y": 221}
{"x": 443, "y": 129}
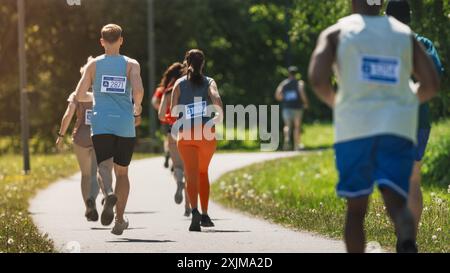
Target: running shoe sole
{"x": 92, "y": 216}
{"x": 187, "y": 212}
{"x": 195, "y": 223}
{"x": 119, "y": 231}
{"x": 179, "y": 193}
{"x": 91, "y": 211}
{"x": 108, "y": 210}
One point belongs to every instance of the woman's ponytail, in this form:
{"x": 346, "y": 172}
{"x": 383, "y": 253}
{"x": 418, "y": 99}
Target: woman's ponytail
{"x": 195, "y": 60}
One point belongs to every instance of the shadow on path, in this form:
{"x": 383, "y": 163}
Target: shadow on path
{"x": 108, "y": 228}
{"x": 128, "y": 240}
{"x": 140, "y": 212}
{"x": 224, "y": 231}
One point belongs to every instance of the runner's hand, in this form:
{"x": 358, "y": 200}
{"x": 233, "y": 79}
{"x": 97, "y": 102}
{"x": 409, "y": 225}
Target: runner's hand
{"x": 59, "y": 143}
{"x": 137, "y": 110}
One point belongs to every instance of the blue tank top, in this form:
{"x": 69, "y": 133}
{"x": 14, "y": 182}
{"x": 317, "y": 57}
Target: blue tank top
{"x": 194, "y": 100}
{"x": 113, "y": 111}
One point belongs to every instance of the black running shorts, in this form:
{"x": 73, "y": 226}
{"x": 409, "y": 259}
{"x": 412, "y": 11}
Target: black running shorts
{"x": 112, "y": 146}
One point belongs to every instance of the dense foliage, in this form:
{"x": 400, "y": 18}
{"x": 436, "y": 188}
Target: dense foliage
{"x": 248, "y": 45}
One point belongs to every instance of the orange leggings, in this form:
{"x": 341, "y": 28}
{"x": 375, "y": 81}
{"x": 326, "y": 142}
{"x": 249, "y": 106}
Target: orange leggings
{"x": 197, "y": 155}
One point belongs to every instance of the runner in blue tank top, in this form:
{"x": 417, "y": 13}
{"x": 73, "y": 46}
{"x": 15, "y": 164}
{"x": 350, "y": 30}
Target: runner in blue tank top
{"x": 401, "y": 11}
{"x": 375, "y": 113}
{"x": 118, "y": 93}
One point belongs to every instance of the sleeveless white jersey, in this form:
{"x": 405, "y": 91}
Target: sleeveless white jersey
{"x": 374, "y": 65}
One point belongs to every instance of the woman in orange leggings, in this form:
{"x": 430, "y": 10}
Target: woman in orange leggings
{"x": 195, "y": 98}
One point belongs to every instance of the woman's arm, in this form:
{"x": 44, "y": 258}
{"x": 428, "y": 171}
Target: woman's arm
{"x": 65, "y": 122}
{"x": 216, "y": 100}
{"x": 279, "y": 93}
{"x": 303, "y": 95}
{"x": 175, "y": 98}
{"x": 165, "y": 103}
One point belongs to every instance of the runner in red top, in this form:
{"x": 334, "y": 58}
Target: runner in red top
{"x": 173, "y": 73}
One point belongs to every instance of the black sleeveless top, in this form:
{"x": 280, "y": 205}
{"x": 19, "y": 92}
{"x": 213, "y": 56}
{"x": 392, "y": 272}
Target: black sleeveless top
{"x": 291, "y": 96}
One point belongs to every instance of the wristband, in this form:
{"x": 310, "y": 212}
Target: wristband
{"x": 59, "y": 134}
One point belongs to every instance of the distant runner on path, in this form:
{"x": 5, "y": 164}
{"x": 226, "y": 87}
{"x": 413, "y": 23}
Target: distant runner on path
{"x": 291, "y": 94}
{"x": 195, "y": 94}
{"x": 402, "y": 12}
{"x": 172, "y": 74}
{"x": 84, "y": 150}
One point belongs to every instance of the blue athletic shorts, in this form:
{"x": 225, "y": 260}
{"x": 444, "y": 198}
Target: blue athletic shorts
{"x": 384, "y": 160}
{"x": 422, "y": 142}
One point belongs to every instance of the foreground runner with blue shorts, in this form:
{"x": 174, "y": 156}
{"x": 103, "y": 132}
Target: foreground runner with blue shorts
{"x": 118, "y": 93}
{"x": 375, "y": 113}
{"x": 401, "y": 11}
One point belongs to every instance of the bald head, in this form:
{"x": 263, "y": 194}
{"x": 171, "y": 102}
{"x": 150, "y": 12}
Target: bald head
{"x": 367, "y": 7}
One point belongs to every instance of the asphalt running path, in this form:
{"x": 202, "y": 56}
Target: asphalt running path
{"x": 157, "y": 224}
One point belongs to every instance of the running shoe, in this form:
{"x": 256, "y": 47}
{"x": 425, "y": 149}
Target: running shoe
{"x": 108, "y": 209}
{"x": 166, "y": 160}
{"x": 91, "y": 211}
{"x": 195, "y": 222}
{"x": 408, "y": 246}
{"x": 187, "y": 212}
{"x": 179, "y": 193}
{"x": 119, "y": 227}
{"x": 405, "y": 234}
{"x": 206, "y": 221}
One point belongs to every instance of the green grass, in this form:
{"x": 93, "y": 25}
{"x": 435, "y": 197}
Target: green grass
{"x": 18, "y": 234}
{"x": 17, "y": 231}
{"x": 300, "y": 193}
{"x": 318, "y": 135}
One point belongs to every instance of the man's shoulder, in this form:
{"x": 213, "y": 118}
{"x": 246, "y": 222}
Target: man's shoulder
{"x": 131, "y": 60}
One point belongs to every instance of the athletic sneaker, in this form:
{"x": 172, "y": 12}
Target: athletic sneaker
{"x": 408, "y": 246}
{"x": 187, "y": 212}
{"x": 166, "y": 160}
{"x": 119, "y": 227}
{"x": 195, "y": 222}
{"x": 206, "y": 221}
{"x": 179, "y": 193}
{"x": 108, "y": 209}
{"x": 91, "y": 211}
{"x": 300, "y": 147}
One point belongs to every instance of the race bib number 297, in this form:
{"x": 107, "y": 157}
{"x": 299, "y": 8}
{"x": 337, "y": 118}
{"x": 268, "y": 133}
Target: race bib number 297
{"x": 380, "y": 70}
{"x": 113, "y": 84}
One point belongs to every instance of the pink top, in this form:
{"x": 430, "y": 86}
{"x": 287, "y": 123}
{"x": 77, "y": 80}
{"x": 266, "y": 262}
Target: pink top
{"x": 81, "y": 133}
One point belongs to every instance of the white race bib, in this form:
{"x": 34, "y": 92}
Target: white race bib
{"x": 114, "y": 84}
{"x": 194, "y": 110}
{"x": 88, "y": 117}
{"x": 380, "y": 70}
{"x": 290, "y": 95}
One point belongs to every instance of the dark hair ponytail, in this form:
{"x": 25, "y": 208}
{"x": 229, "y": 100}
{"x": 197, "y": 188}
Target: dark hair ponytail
{"x": 195, "y": 60}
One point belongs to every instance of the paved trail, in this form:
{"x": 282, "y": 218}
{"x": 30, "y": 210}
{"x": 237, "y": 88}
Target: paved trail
{"x": 157, "y": 223}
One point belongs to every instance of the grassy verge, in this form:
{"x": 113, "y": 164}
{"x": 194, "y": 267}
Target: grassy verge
{"x": 299, "y": 193}
{"x": 318, "y": 136}
{"x": 17, "y": 231}
{"x": 18, "y": 234}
